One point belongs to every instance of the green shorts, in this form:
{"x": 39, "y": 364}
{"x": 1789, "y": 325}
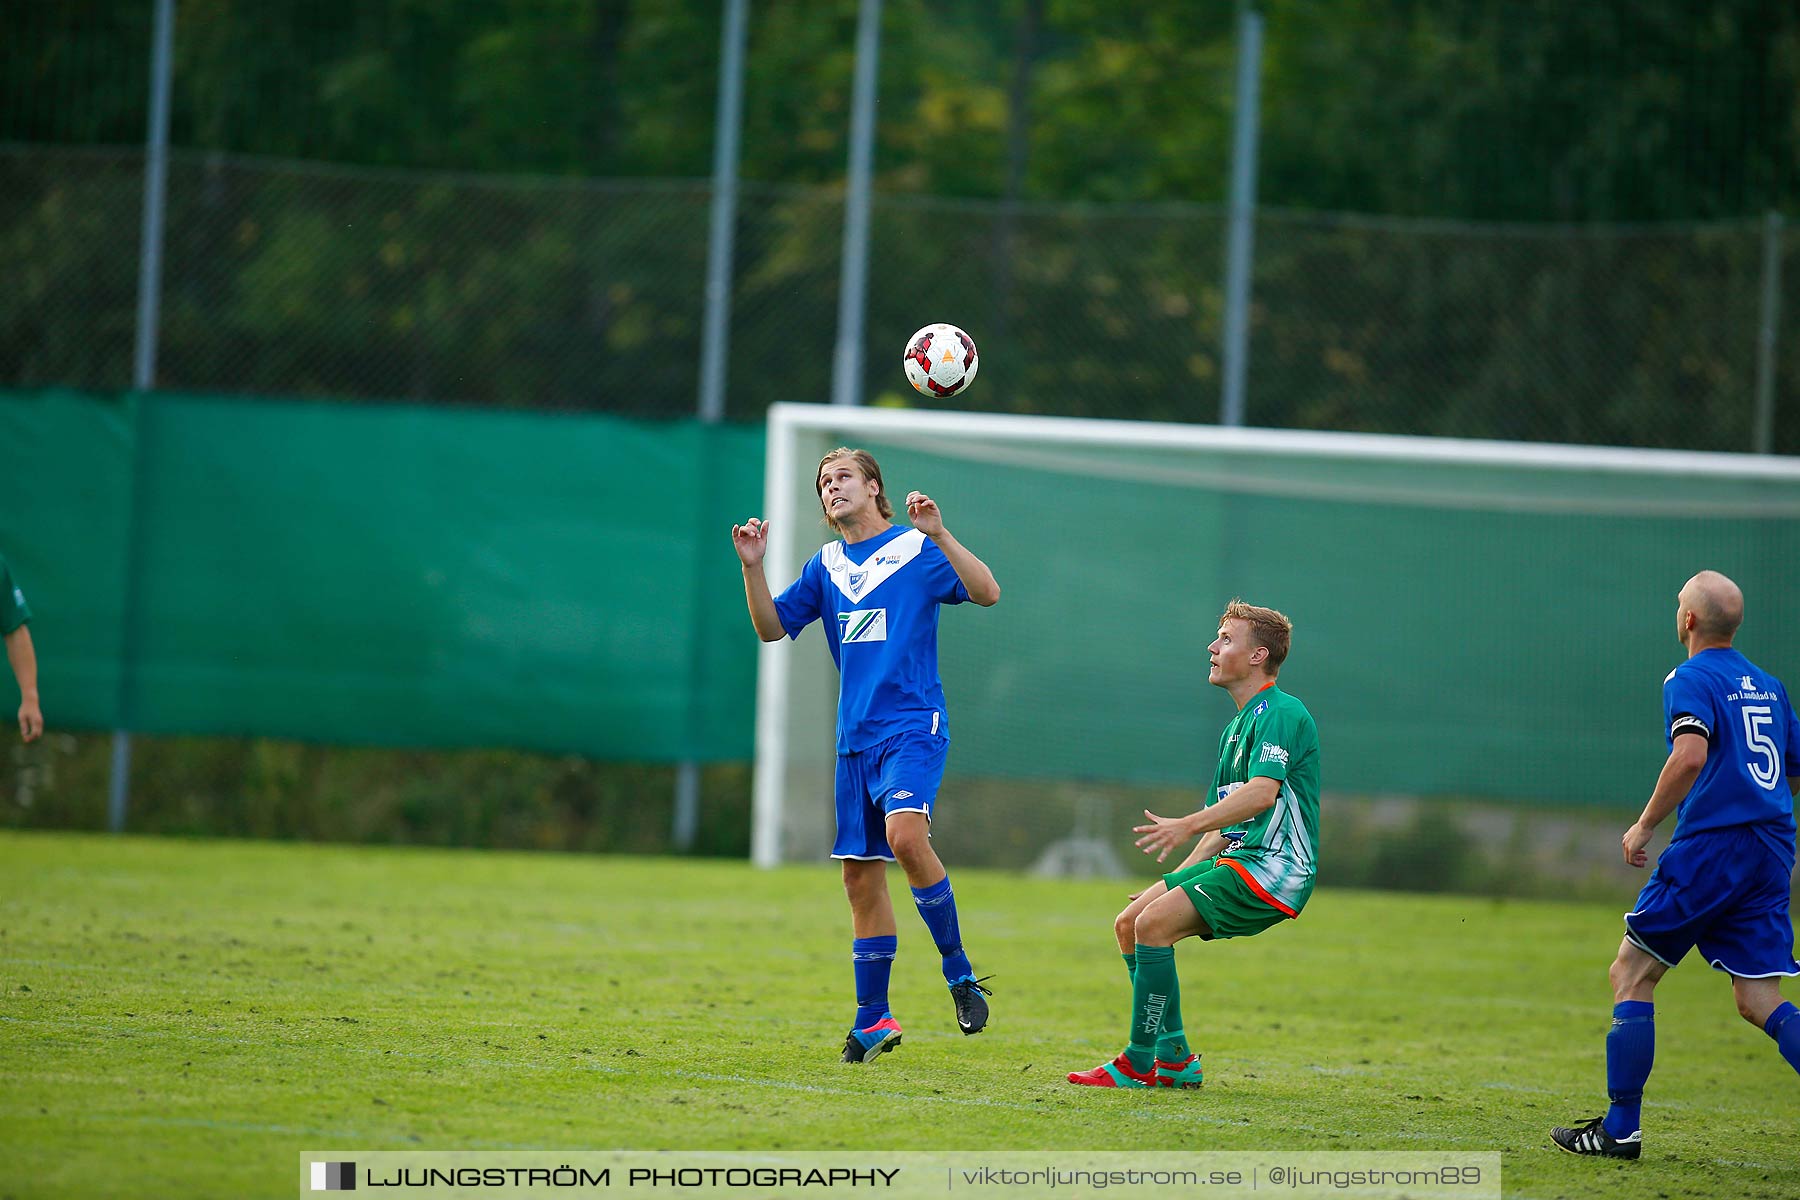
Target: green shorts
{"x": 1223, "y": 900}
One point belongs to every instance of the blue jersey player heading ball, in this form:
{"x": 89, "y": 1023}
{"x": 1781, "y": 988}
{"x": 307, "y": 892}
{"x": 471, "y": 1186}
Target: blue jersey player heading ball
{"x": 876, "y": 591}
{"x": 1722, "y": 883}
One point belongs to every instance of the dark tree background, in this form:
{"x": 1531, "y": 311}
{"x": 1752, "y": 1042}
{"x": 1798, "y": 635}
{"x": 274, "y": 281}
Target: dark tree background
{"x": 1523, "y": 110}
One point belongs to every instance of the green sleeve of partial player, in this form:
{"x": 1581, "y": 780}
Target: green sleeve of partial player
{"x": 1281, "y": 737}
{"x": 14, "y": 612}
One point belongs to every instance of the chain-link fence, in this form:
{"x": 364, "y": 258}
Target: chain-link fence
{"x": 312, "y": 280}
{"x": 1638, "y": 336}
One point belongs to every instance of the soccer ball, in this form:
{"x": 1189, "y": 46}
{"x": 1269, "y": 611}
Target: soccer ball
{"x": 940, "y": 360}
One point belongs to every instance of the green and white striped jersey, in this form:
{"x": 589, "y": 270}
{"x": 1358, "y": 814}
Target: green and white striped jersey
{"x": 1278, "y": 849}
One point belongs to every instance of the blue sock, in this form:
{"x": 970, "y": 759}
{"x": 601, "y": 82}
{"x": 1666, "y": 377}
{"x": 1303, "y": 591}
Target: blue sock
{"x": 1630, "y": 1049}
{"x": 873, "y": 961}
{"x": 937, "y": 904}
{"x": 1784, "y": 1027}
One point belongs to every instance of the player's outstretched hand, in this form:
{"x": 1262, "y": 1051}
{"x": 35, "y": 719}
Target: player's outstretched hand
{"x": 751, "y": 541}
{"x": 1162, "y": 835}
{"x": 1633, "y": 843}
{"x": 923, "y": 512}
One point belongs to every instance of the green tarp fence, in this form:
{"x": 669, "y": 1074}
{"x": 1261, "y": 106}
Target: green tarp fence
{"x": 396, "y": 576}
{"x": 416, "y": 576}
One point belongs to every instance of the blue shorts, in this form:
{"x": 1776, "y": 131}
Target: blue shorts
{"x": 1725, "y": 892}
{"x": 900, "y": 774}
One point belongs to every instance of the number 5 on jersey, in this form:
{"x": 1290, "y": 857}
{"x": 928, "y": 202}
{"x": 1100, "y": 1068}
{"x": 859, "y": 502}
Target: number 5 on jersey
{"x": 1757, "y": 719}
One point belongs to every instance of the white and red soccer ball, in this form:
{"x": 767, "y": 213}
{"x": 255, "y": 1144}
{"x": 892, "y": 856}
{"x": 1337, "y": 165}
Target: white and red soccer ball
{"x": 940, "y": 360}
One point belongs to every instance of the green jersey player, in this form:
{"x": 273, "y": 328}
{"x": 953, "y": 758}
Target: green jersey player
{"x": 15, "y": 615}
{"x": 1254, "y": 864}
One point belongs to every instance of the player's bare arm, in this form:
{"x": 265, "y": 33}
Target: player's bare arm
{"x": 1163, "y": 834}
{"x": 923, "y": 512}
{"x": 1678, "y": 775}
{"x": 751, "y": 542}
{"x": 22, "y": 656}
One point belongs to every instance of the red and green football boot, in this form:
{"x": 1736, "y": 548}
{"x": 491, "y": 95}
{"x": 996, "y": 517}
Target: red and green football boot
{"x": 1183, "y": 1074}
{"x": 1119, "y": 1073}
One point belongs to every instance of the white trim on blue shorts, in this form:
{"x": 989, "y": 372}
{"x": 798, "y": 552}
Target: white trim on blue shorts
{"x": 1719, "y": 965}
{"x": 1637, "y": 939}
{"x": 890, "y": 812}
{"x": 865, "y": 857}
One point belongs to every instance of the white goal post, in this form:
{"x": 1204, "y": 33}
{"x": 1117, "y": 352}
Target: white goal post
{"x": 1466, "y": 511}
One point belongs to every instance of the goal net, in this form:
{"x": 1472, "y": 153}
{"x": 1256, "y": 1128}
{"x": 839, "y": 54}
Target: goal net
{"x": 1471, "y": 619}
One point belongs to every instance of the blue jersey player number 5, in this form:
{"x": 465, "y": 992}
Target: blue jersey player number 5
{"x": 1753, "y": 747}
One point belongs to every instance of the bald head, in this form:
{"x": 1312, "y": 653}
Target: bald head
{"x": 1716, "y": 606}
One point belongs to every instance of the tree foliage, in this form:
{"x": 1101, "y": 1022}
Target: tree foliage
{"x": 1048, "y": 174}
{"x": 1663, "y": 109}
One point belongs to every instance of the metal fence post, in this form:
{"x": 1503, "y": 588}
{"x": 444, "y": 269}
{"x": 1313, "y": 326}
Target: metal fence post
{"x": 1767, "y": 334}
{"x": 143, "y": 373}
{"x": 846, "y": 378}
{"x": 1240, "y": 227}
{"x": 715, "y": 347}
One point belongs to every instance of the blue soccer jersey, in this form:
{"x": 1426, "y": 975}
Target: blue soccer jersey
{"x": 1753, "y": 747}
{"x": 879, "y": 601}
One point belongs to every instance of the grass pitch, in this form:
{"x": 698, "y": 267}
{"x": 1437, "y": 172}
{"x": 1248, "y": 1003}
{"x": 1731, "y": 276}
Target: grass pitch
{"x": 182, "y": 1018}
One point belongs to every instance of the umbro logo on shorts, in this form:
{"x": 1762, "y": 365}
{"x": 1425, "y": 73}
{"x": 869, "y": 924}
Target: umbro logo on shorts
{"x": 903, "y": 795}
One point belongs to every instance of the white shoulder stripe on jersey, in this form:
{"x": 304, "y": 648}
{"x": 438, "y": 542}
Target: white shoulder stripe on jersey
{"x": 857, "y": 580}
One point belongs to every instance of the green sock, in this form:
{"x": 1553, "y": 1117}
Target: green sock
{"x": 1130, "y": 965}
{"x": 1172, "y": 1046}
{"x": 1156, "y": 1003}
